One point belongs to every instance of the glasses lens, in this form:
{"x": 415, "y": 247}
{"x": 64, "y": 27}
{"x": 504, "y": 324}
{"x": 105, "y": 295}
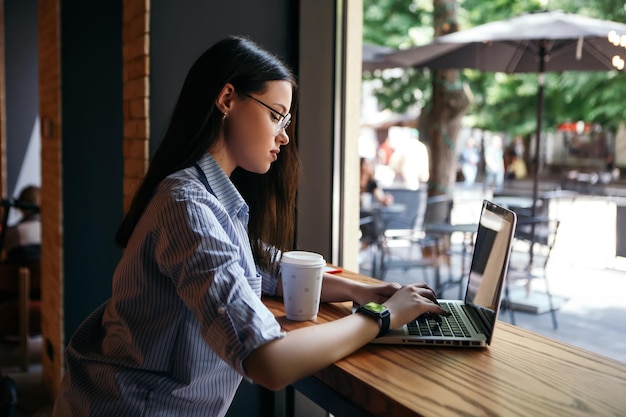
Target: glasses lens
{"x": 283, "y": 123}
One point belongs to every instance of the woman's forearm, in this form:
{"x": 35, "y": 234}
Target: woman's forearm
{"x": 334, "y": 288}
{"x": 339, "y": 289}
{"x": 305, "y": 351}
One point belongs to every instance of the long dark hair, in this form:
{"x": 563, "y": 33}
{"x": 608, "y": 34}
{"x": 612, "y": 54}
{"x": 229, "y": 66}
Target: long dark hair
{"x": 194, "y": 128}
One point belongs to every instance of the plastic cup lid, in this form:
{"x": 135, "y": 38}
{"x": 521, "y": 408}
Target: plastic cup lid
{"x": 304, "y": 258}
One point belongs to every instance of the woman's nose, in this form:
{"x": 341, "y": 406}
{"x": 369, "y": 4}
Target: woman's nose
{"x": 283, "y": 137}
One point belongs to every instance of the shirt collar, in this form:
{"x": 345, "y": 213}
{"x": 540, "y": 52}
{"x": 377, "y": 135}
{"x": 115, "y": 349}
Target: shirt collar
{"x": 225, "y": 191}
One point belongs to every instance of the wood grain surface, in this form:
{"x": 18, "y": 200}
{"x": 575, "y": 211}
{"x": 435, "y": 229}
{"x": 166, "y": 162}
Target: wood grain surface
{"x": 520, "y": 374}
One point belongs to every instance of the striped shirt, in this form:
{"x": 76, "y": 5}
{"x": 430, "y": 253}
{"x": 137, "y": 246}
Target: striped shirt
{"x": 184, "y": 313}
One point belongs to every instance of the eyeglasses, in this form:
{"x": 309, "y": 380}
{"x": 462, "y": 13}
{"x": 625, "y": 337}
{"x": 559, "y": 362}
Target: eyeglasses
{"x": 281, "y": 123}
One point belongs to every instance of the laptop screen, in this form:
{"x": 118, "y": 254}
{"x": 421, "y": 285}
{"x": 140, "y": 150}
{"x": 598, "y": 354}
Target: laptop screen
{"x": 490, "y": 261}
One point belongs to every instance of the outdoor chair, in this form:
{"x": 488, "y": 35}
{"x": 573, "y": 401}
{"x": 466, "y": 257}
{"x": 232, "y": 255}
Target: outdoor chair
{"x": 532, "y": 247}
{"x": 379, "y": 223}
{"x": 371, "y": 226}
{"x": 403, "y": 242}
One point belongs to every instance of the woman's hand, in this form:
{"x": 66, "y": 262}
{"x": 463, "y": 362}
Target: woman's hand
{"x": 336, "y": 288}
{"x": 412, "y": 301}
{"x": 378, "y": 293}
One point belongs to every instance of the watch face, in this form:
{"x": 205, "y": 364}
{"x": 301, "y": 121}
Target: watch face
{"x": 375, "y": 307}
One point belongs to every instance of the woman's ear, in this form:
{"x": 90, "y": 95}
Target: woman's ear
{"x": 225, "y": 98}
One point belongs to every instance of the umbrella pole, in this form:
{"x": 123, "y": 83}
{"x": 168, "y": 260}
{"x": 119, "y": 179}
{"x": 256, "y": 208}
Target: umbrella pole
{"x": 541, "y": 80}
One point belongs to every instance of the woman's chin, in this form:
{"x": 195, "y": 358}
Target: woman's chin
{"x": 259, "y": 169}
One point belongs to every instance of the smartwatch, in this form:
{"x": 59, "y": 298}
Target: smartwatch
{"x": 377, "y": 312}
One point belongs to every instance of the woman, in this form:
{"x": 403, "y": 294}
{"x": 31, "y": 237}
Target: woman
{"x": 185, "y": 322}
{"x": 23, "y": 240}
{"x": 371, "y": 194}
{"x": 370, "y": 188}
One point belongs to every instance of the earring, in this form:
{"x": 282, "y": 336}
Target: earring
{"x": 224, "y": 117}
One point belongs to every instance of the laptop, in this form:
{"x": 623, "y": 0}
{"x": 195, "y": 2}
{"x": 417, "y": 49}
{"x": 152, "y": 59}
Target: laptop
{"x": 472, "y": 320}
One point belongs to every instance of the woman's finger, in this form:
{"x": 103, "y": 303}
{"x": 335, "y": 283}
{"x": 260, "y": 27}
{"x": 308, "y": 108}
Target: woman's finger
{"x": 424, "y": 286}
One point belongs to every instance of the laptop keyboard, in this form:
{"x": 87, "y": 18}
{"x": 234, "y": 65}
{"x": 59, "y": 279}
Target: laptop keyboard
{"x": 449, "y": 326}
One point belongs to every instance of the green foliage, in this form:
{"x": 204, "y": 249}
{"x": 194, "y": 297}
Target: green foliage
{"x": 501, "y": 102}
{"x": 476, "y": 12}
{"x": 600, "y": 9}
{"x": 399, "y": 24}
{"x": 401, "y": 89}
{"x": 390, "y": 22}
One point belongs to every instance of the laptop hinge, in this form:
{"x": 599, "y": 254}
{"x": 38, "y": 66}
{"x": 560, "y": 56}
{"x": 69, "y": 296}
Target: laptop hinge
{"x": 478, "y": 318}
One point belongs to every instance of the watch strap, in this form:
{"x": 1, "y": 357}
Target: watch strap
{"x": 383, "y": 316}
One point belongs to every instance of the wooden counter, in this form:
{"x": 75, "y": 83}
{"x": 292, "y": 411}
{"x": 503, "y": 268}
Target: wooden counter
{"x": 521, "y": 374}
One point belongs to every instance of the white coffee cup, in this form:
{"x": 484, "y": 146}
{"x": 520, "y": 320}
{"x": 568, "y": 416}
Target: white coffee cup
{"x": 302, "y": 274}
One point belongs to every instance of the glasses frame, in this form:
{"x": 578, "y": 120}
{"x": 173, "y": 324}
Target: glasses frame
{"x": 285, "y": 118}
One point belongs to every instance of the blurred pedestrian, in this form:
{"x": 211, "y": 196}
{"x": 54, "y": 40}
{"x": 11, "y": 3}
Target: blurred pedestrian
{"x": 410, "y": 162}
{"x": 23, "y": 239}
{"x": 370, "y": 191}
{"x": 494, "y": 164}
{"x": 470, "y": 158}
{"x": 517, "y": 167}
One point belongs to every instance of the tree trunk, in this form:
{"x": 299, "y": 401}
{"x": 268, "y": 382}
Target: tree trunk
{"x": 441, "y": 122}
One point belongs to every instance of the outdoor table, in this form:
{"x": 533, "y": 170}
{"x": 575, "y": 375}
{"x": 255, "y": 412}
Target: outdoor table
{"x": 382, "y": 211}
{"x": 523, "y": 203}
{"x": 520, "y": 374}
{"x": 514, "y": 201}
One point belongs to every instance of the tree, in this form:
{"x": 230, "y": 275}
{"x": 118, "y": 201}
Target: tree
{"x": 402, "y": 23}
{"x": 399, "y": 24}
{"x": 441, "y": 121}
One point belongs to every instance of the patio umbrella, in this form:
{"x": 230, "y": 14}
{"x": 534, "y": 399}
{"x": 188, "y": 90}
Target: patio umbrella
{"x": 532, "y": 42}
{"x": 374, "y": 57}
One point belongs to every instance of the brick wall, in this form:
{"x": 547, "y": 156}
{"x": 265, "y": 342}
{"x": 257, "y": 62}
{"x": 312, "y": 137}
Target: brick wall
{"x": 136, "y": 49}
{"x": 136, "y": 15}
{"x": 52, "y": 193}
